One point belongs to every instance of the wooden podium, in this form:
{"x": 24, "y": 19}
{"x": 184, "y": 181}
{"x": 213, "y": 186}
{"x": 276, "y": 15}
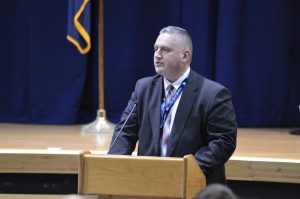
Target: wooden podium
{"x": 99, "y": 175}
{"x": 140, "y": 176}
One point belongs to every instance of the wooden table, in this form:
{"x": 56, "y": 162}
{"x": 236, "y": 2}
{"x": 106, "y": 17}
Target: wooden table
{"x": 262, "y": 154}
{"x": 266, "y": 154}
{"x": 18, "y": 143}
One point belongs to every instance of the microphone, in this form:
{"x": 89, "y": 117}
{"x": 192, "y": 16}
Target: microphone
{"x": 119, "y": 132}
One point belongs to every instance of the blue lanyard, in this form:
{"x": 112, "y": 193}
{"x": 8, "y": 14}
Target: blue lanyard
{"x": 166, "y": 107}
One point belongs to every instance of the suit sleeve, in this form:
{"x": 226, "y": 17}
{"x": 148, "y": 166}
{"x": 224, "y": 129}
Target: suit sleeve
{"x": 220, "y": 135}
{"x": 125, "y": 143}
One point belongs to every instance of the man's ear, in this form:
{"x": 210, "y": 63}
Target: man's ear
{"x": 186, "y": 55}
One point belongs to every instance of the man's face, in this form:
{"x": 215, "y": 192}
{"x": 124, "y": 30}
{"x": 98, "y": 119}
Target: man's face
{"x": 168, "y": 57}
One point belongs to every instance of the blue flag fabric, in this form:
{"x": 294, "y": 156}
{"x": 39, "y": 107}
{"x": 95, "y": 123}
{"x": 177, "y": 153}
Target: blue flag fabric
{"x": 79, "y": 24}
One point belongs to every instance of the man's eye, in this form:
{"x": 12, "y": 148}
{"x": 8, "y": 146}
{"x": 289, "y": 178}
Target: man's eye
{"x": 166, "y": 49}
{"x": 163, "y": 50}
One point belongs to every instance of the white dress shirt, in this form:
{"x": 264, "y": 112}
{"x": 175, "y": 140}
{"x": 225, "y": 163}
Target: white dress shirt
{"x": 173, "y": 110}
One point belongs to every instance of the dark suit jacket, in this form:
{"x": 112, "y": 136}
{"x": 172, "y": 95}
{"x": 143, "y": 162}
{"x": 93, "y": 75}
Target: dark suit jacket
{"x": 204, "y": 124}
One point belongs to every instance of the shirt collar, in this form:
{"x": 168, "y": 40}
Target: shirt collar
{"x": 178, "y": 82}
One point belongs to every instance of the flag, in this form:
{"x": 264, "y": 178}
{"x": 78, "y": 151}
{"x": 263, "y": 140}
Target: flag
{"x": 79, "y": 24}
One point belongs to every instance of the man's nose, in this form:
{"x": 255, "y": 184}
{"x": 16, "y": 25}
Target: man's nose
{"x": 157, "y": 54}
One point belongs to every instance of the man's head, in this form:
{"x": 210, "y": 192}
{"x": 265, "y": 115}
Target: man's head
{"x": 216, "y": 191}
{"x": 172, "y": 52}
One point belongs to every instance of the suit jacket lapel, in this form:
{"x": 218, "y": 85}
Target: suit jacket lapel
{"x": 154, "y": 110}
{"x": 184, "y": 107}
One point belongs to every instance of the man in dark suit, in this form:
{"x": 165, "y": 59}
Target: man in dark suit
{"x": 178, "y": 112}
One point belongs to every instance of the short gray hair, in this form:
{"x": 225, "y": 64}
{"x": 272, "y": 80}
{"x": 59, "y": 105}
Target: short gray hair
{"x": 184, "y": 35}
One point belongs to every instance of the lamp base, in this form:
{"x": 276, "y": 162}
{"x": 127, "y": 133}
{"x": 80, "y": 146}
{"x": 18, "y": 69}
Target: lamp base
{"x": 100, "y": 125}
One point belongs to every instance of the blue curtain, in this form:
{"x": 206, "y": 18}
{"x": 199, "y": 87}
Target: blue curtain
{"x": 43, "y": 78}
{"x": 250, "y": 46}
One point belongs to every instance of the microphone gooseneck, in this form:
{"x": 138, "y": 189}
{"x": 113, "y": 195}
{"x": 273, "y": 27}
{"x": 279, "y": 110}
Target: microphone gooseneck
{"x": 119, "y": 132}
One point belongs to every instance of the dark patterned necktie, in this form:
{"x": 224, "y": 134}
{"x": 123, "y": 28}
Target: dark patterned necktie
{"x": 167, "y": 126}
